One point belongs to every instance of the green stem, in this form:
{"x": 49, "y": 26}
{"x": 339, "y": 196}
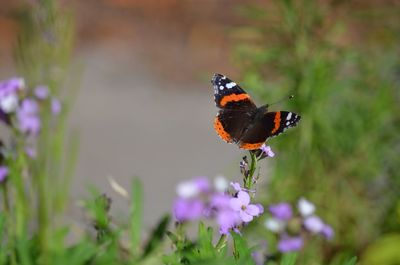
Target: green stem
{"x": 253, "y": 165}
{"x": 43, "y": 216}
{"x": 221, "y": 243}
{"x": 11, "y": 238}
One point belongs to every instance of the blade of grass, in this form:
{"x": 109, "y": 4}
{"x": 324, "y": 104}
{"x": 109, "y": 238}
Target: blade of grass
{"x": 136, "y": 216}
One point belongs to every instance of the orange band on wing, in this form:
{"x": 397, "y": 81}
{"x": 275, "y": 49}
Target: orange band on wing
{"x": 277, "y": 122}
{"x": 221, "y": 131}
{"x": 233, "y": 97}
{"x": 251, "y": 146}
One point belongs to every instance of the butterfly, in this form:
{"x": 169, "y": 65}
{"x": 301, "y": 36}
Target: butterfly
{"x": 240, "y": 121}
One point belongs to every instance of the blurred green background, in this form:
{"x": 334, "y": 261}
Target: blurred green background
{"x": 339, "y": 58}
{"x": 341, "y": 61}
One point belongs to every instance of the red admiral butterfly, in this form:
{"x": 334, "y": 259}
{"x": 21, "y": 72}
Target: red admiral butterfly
{"x": 240, "y": 121}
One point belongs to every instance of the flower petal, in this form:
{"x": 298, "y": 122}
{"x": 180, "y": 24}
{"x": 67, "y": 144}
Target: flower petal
{"x": 245, "y": 216}
{"x": 187, "y": 190}
{"x": 327, "y": 232}
{"x": 282, "y": 211}
{"x": 288, "y": 244}
{"x": 3, "y": 173}
{"x": 202, "y": 184}
{"x": 275, "y": 225}
{"x": 252, "y": 210}
{"x": 236, "y": 186}
{"x": 187, "y": 210}
{"x": 313, "y": 224}
{"x": 235, "y": 204}
{"x": 244, "y": 197}
{"x": 305, "y": 207}
{"x": 220, "y": 183}
{"x": 260, "y": 208}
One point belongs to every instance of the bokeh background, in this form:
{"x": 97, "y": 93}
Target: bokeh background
{"x": 143, "y": 104}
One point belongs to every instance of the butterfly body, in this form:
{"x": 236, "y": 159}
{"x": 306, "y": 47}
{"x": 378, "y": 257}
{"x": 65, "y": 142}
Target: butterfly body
{"x": 240, "y": 121}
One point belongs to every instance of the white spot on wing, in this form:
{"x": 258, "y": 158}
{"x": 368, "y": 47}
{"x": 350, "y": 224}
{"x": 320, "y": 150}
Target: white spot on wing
{"x": 289, "y": 116}
{"x": 221, "y": 88}
{"x": 231, "y": 84}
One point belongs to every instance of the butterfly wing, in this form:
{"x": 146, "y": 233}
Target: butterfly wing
{"x": 235, "y": 106}
{"x": 230, "y": 124}
{"x": 268, "y": 125}
{"x": 228, "y": 95}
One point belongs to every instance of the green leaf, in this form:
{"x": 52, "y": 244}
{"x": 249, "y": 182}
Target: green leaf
{"x": 241, "y": 251}
{"x": 352, "y": 261}
{"x": 384, "y": 251}
{"x": 172, "y": 237}
{"x": 289, "y": 259}
{"x": 205, "y": 247}
{"x": 157, "y": 235}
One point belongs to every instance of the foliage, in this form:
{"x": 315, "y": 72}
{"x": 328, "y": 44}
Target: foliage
{"x": 343, "y": 154}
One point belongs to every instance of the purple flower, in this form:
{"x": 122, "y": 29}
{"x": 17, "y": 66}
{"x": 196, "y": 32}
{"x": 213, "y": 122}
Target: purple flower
{"x": 227, "y": 219}
{"x": 260, "y": 208}
{"x": 202, "y": 184}
{"x": 313, "y": 224}
{"x": 327, "y": 232}
{"x": 9, "y": 103}
{"x": 236, "y": 186}
{"x": 29, "y": 106}
{"x": 242, "y": 205}
{"x": 267, "y": 150}
{"x": 11, "y": 86}
{"x": 192, "y": 188}
{"x": 220, "y": 201}
{"x": 31, "y": 151}
{"x": 3, "y": 173}
{"x": 55, "y": 106}
{"x": 187, "y": 210}
{"x": 8, "y": 94}
{"x": 27, "y": 116}
{"x": 258, "y": 257}
{"x": 289, "y": 244}
{"x": 281, "y": 211}
{"x": 41, "y": 92}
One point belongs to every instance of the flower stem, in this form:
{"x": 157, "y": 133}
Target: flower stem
{"x": 221, "y": 243}
{"x": 11, "y": 238}
{"x": 253, "y": 165}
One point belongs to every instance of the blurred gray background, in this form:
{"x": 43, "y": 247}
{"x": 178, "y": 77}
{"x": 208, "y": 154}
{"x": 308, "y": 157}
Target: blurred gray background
{"x": 144, "y": 105}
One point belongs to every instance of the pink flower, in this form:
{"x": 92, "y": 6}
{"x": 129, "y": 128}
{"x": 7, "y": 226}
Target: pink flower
{"x": 242, "y": 205}
{"x": 267, "y": 150}
{"x": 327, "y": 232}
{"x": 313, "y": 224}
{"x": 188, "y": 210}
{"x": 3, "y": 173}
{"x": 227, "y": 219}
{"x": 281, "y": 211}
{"x": 236, "y": 186}
{"x": 289, "y": 244}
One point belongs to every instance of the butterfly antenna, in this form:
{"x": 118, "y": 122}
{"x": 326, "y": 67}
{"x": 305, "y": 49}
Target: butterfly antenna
{"x": 281, "y": 100}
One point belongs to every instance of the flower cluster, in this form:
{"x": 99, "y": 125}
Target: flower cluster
{"x": 20, "y": 110}
{"x": 292, "y": 228}
{"x": 198, "y": 199}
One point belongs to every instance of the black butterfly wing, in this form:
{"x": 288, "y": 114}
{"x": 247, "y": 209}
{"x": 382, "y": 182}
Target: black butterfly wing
{"x": 230, "y": 124}
{"x": 268, "y": 125}
{"x": 228, "y": 95}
